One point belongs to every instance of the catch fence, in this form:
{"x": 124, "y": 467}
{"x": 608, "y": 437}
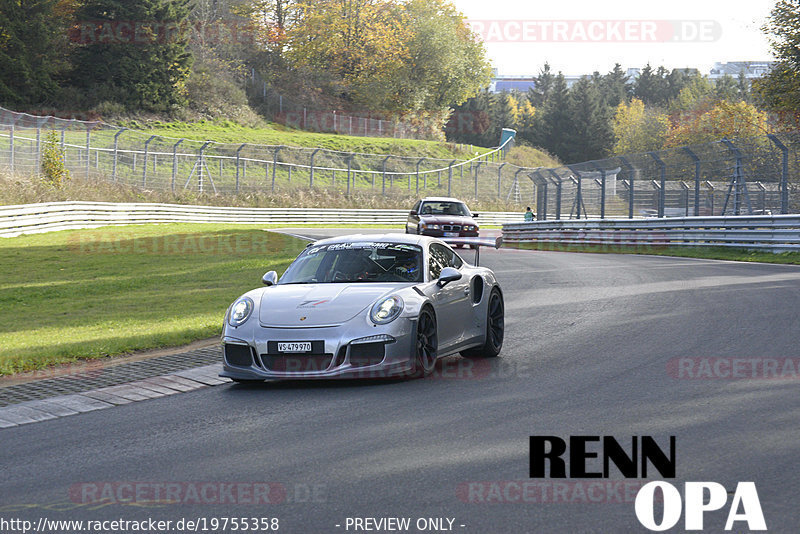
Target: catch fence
{"x": 750, "y": 176}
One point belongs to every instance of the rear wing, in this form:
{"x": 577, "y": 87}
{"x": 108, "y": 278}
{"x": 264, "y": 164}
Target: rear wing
{"x": 476, "y": 243}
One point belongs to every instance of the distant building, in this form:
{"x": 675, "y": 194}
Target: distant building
{"x": 752, "y": 69}
{"x": 505, "y": 83}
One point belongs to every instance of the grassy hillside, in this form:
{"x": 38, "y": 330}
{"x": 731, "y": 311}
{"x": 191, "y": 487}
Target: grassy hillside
{"x": 276, "y": 134}
{"x": 527, "y": 156}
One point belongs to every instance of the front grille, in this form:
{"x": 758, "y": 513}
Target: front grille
{"x": 239, "y": 355}
{"x": 363, "y": 354}
{"x": 296, "y": 363}
{"x": 451, "y": 227}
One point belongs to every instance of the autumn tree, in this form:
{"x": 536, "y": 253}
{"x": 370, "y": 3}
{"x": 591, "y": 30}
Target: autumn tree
{"x": 445, "y": 63}
{"x": 724, "y": 119}
{"x": 638, "y": 129}
{"x": 780, "y": 88}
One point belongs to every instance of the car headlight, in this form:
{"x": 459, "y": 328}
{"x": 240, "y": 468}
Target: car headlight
{"x": 435, "y": 226}
{"x": 240, "y": 311}
{"x": 386, "y": 310}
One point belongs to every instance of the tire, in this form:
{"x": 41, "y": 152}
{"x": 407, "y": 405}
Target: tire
{"x": 495, "y": 329}
{"x": 426, "y": 344}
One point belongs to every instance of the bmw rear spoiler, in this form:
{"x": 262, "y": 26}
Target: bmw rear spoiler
{"x": 476, "y": 243}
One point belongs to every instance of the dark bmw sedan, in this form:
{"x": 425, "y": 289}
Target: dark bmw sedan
{"x": 441, "y": 217}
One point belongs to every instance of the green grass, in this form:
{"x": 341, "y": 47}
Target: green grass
{"x": 92, "y": 293}
{"x": 25, "y": 189}
{"x": 276, "y": 134}
{"x": 710, "y": 253}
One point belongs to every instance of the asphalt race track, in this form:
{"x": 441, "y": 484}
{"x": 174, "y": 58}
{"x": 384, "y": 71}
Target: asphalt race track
{"x": 590, "y": 349}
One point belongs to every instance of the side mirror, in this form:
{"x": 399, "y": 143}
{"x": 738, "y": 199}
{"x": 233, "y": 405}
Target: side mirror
{"x": 448, "y": 274}
{"x": 412, "y": 212}
{"x": 475, "y": 214}
{"x": 270, "y": 279}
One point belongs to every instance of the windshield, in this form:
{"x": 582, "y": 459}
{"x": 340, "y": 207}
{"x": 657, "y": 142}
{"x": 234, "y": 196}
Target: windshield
{"x": 444, "y": 208}
{"x": 356, "y": 262}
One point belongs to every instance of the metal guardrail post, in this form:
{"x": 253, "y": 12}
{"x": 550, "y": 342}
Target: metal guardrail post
{"x": 515, "y": 186}
{"x": 41, "y": 121}
{"x": 711, "y": 190}
{"x": 696, "y": 160}
{"x": 631, "y": 187}
{"x": 144, "y": 167}
{"x": 686, "y": 190}
{"x": 449, "y": 177}
{"x": 419, "y": 162}
{"x": 658, "y": 189}
{"x": 663, "y": 184}
{"x": 11, "y": 144}
{"x": 737, "y": 185}
{"x": 174, "y": 163}
{"x": 477, "y": 170}
{"x": 198, "y": 166}
{"x": 602, "y": 188}
{"x": 63, "y": 136}
{"x": 311, "y": 174}
{"x": 383, "y": 175}
{"x": 238, "y": 156}
{"x": 89, "y": 127}
{"x": 557, "y": 181}
{"x": 784, "y": 186}
{"x": 116, "y": 147}
{"x": 349, "y": 167}
{"x": 275, "y": 165}
{"x": 541, "y": 194}
{"x": 500, "y": 177}
{"x": 576, "y": 179}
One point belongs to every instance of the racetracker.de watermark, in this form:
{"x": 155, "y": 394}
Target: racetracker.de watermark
{"x": 179, "y": 244}
{"x": 190, "y": 492}
{"x": 549, "y": 492}
{"x": 596, "y": 31}
{"x": 734, "y": 368}
{"x": 145, "y": 32}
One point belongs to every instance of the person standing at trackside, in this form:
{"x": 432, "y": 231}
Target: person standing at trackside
{"x": 528, "y": 214}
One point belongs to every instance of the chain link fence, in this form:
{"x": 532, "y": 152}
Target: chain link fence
{"x": 745, "y": 176}
{"x": 753, "y": 176}
{"x": 101, "y": 151}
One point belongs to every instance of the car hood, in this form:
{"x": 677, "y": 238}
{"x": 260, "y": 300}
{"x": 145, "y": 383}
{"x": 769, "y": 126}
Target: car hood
{"x": 305, "y": 305}
{"x": 447, "y": 219}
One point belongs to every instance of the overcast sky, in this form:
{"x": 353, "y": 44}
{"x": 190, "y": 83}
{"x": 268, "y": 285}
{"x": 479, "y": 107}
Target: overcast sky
{"x": 581, "y": 36}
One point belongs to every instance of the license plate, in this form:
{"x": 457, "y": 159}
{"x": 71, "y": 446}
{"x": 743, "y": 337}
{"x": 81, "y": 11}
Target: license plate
{"x": 451, "y": 234}
{"x": 304, "y": 346}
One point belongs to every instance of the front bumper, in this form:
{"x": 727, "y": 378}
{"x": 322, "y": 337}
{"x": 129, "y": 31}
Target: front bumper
{"x": 440, "y": 233}
{"x": 337, "y": 352}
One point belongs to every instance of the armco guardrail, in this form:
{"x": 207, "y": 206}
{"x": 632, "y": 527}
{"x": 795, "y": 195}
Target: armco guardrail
{"x": 51, "y": 216}
{"x": 769, "y": 232}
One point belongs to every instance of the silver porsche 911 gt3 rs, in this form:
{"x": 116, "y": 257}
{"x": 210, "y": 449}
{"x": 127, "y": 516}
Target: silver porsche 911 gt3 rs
{"x": 365, "y": 306}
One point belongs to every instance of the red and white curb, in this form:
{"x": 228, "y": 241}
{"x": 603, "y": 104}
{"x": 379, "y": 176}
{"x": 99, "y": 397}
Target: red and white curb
{"x": 107, "y": 397}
